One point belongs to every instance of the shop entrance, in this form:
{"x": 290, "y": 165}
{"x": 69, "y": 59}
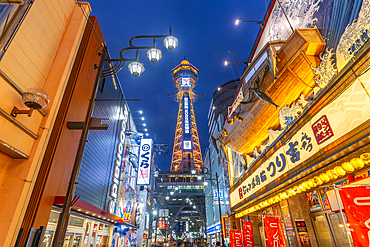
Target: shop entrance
{"x": 329, "y": 229}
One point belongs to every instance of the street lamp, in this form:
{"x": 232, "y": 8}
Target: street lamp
{"x": 239, "y": 20}
{"x": 207, "y": 173}
{"x": 153, "y": 54}
{"x": 115, "y": 65}
{"x": 227, "y": 62}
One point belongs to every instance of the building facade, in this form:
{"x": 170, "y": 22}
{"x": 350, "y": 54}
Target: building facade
{"x": 56, "y": 47}
{"x": 38, "y": 49}
{"x": 215, "y": 161}
{"x": 302, "y": 129}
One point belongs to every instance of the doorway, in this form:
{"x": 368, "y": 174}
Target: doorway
{"x": 329, "y": 229}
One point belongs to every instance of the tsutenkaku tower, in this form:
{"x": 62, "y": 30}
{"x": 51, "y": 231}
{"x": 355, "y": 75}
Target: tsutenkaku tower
{"x": 186, "y": 154}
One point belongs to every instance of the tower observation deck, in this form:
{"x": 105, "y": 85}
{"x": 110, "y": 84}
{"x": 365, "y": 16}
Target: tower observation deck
{"x": 186, "y": 154}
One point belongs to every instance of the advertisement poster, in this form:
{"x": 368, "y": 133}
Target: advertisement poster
{"x": 276, "y": 210}
{"x": 248, "y": 240}
{"x": 324, "y": 199}
{"x": 128, "y": 239}
{"x": 303, "y": 233}
{"x": 236, "y": 238}
{"x": 313, "y": 201}
{"x": 356, "y": 202}
{"x": 286, "y": 214}
{"x": 274, "y": 232}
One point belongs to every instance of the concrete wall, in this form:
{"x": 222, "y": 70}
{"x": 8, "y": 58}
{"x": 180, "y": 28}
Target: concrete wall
{"x": 298, "y": 208}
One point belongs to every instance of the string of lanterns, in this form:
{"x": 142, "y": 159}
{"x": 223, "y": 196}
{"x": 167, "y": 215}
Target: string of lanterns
{"x": 331, "y": 174}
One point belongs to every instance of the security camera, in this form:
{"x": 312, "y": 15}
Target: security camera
{"x": 33, "y": 98}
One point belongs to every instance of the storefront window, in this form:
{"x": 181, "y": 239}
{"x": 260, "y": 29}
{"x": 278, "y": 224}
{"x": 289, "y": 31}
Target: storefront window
{"x": 77, "y": 241}
{"x": 67, "y": 240}
{"x": 322, "y": 231}
{"x": 47, "y": 239}
{"x": 54, "y": 216}
{"x": 338, "y": 228}
{"x": 74, "y": 221}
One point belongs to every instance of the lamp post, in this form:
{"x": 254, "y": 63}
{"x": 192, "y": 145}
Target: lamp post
{"x": 218, "y": 198}
{"x": 170, "y": 42}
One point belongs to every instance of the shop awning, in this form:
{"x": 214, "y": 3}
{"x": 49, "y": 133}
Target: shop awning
{"x": 92, "y": 211}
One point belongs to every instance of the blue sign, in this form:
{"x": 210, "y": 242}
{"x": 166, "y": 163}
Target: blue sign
{"x": 218, "y": 193}
{"x": 214, "y": 228}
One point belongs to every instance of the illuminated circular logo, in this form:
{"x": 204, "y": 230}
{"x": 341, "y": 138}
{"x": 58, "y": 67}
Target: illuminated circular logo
{"x": 145, "y": 147}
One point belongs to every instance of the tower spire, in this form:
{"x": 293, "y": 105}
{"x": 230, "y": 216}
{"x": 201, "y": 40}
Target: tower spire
{"x": 186, "y": 154}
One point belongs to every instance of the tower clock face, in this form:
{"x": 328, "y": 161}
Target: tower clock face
{"x": 185, "y": 82}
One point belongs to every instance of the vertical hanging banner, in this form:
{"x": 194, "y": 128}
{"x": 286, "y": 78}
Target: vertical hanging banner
{"x": 145, "y": 156}
{"x": 274, "y": 232}
{"x": 248, "y": 240}
{"x": 236, "y": 238}
{"x": 356, "y": 202}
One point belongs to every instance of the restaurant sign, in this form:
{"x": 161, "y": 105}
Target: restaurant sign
{"x": 342, "y": 115}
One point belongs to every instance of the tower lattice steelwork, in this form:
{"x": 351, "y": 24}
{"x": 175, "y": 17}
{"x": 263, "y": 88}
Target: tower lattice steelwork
{"x": 186, "y": 154}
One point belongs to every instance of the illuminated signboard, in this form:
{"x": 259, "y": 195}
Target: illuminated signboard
{"x": 187, "y": 144}
{"x": 186, "y": 115}
{"x": 113, "y": 192}
{"x": 185, "y": 82}
{"x": 143, "y": 175}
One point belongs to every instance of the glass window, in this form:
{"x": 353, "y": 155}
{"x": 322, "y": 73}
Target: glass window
{"x": 338, "y": 228}
{"x": 322, "y": 231}
{"x": 54, "y": 216}
{"x": 11, "y": 17}
{"x": 74, "y": 221}
{"x": 77, "y": 241}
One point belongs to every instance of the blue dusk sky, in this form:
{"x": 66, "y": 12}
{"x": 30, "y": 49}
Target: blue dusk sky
{"x": 205, "y": 30}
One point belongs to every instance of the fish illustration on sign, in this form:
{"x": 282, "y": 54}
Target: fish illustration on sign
{"x": 264, "y": 97}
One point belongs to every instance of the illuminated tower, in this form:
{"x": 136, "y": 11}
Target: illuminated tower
{"x": 186, "y": 154}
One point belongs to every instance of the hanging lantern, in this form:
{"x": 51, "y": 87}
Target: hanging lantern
{"x": 301, "y": 188}
{"x": 154, "y": 54}
{"x": 311, "y": 183}
{"x": 277, "y": 199}
{"x": 292, "y": 192}
{"x": 339, "y": 171}
{"x": 357, "y": 163}
{"x": 271, "y": 201}
{"x": 330, "y": 173}
{"x": 317, "y": 180}
{"x": 324, "y": 177}
{"x": 231, "y": 121}
{"x": 136, "y": 68}
{"x": 170, "y": 42}
{"x": 238, "y": 118}
{"x": 283, "y": 196}
{"x": 348, "y": 167}
{"x": 365, "y": 157}
{"x": 305, "y": 185}
{"x": 296, "y": 189}
{"x": 224, "y": 132}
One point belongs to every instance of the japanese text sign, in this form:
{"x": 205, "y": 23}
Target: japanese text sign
{"x": 236, "y": 238}
{"x": 356, "y": 202}
{"x": 299, "y": 148}
{"x": 274, "y": 232}
{"x": 248, "y": 240}
{"x": 143, "y": 175}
